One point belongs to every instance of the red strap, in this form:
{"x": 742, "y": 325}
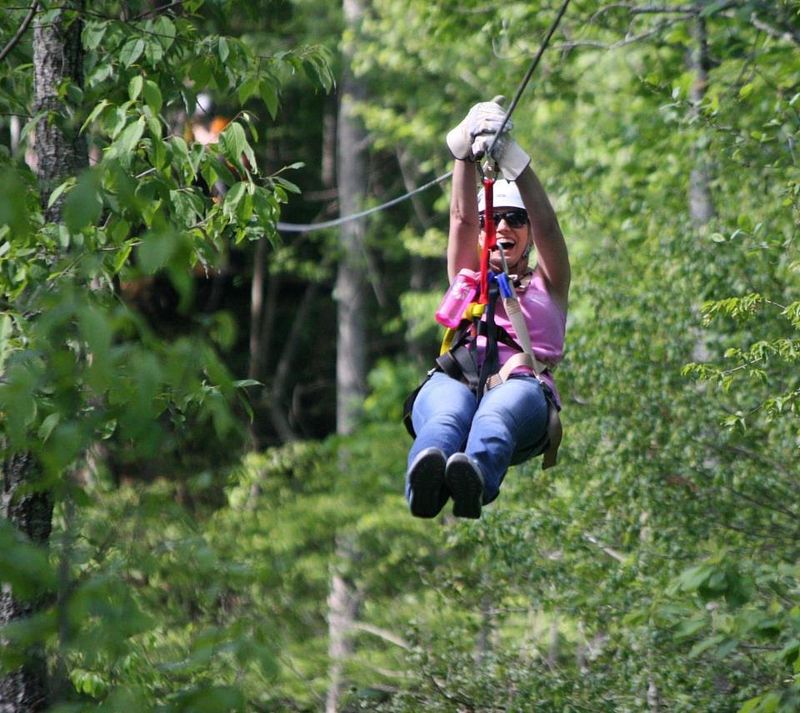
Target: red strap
{"x": 490, "y": 237}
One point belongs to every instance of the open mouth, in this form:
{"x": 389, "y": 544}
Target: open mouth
{"x": 506, "y": 244}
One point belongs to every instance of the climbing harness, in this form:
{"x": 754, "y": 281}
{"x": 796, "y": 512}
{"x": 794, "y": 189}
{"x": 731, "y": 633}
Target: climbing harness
{"x": 457, "y": 354}
{"x": 456, "y": 357}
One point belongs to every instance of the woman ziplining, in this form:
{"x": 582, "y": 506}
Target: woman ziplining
{"x": 491, "y": 401}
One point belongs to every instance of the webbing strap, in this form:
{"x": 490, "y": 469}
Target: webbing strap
{"x": 491, "y": 359}
{"x": 459, "y": 364}
{"x": 515, "y": 361}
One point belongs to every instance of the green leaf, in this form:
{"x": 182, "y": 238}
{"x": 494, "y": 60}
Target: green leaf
{"x": 705, "y": 645}
{"x": 131, "y": 51}
{"x": 154, "y": 51}
{"x": 287, "y": 185}
{"x": 25, "y": 566}
{"x": 224, "y": 50}
{"x": 93, "y": 33}
{"x": 248, "y": 88}
{"x": 97, "y": 331}
{"x": 164, "y": 29}
{"x": 95, "y": 113}
{"x": 13, "y": 204}
{"x": 691, "y": 627}
{"x": 56, "y": 194}
{"x": 84, "y": 204}
{"x": 135, "y": 87}
{"x": 47, "y": 426}
{"x": 181, "y": 155}
{"x": 156, "y": 250}
{"x": 152, "y": 95}
{"x": 694, "y": 577}
{"x": 714, "y": 7}
{"x": 269, "y": 95}
{"x": 6, "y": 334}
{"x": 18, "y": 403}
{"x": 233, "y": 142}
{"x": 233, "y": 198}
{"x": 128, "y": 140}
{"x": 121, "y": 257}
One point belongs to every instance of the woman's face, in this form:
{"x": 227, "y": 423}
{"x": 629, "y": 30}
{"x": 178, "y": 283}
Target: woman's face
{"x": 512, "y": 235}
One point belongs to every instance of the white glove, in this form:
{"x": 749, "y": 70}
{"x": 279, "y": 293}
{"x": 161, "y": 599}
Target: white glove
{"x": 484, "y": 118}
{"x": 472, "y": 138}
{"x": 507, "y": 153}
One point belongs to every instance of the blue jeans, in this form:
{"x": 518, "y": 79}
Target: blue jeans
{"x": 508, "y": 426}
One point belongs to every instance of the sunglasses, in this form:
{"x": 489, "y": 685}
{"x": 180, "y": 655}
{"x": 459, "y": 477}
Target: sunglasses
{"x": 515, "y": 218}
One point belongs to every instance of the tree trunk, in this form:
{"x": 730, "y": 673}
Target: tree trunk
{"x": 344, "y": 601}
{"x": 289, "y": 356}
{"x": 60, "y": 149}
{"x": 58, "y": 152}
{"x": 485, "y": 641}
{"x": 701, "y": 203}
{"x": 25, "y": 689}
{"x": 328, "y": 154}
{"x": 350, "y": 279}
{"x": 258, "y": 334}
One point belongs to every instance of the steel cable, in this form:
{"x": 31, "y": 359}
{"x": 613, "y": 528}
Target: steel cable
{"x": 309, "y": 227}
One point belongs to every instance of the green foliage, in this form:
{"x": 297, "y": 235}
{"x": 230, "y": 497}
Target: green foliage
{"x": 656, "y": 565}
{"x": 80, "y": 365}
{"x": 94, "y": 387}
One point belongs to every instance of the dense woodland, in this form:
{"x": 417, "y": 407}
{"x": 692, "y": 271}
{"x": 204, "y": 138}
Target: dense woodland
{"x": 200, "y": 404}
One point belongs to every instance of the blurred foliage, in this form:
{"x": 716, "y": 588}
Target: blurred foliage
{"x": 656, "y": 567}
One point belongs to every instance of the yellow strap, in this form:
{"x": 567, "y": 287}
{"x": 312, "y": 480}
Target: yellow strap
{"x": 474, "y": 310}
{"x": 447, "y": 342}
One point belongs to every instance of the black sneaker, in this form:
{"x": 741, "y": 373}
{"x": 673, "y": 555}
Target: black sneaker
{"x": 426, "y": 480}
{"x": 464, "y": 479}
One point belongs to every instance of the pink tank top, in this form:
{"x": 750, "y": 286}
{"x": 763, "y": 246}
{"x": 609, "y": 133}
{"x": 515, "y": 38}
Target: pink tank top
{"x": 547, "y": 325}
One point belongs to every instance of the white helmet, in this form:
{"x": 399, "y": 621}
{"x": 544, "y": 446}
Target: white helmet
{"x": 505, "y": 194}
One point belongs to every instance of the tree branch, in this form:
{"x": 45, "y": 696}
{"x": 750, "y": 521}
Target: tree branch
{"x": 787, "y": 35}
{"x": 381, "y": 634}
{"x": 21, "y": 31}
{"x": 628, "y": 40}
{"x": 605, "y": 548}
{"x": 650, "y": 10}
{"x": 144, "y": 14}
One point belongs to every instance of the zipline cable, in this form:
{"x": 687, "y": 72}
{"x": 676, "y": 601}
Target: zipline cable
{"x": 309, "y": 227}
{"x": 527, "y": 78}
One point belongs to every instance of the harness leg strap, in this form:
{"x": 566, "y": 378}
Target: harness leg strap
{"x": 554, "y": 435}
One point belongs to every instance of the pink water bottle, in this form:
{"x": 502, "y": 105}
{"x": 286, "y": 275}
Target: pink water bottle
{"x": 457, "y": 298}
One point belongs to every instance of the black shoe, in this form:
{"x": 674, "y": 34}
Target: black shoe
{"x": 426, "y": 480}
{"x": 464, "y": 479}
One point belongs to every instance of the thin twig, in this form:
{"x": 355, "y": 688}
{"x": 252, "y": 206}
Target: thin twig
{"x": 605, "y": 548}
{"x": 629, "y": 40}
{"x": 787, "y": 35}
{"x": 21, "y": 31}
{"x": 384, "y": 634}
{"x": 652, "y": 9}
{"x": 144, "y": 14}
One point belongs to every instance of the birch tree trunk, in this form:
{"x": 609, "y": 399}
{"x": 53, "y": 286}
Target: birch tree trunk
{"x": 701, "y": 203}
{"x": 350, "y": 280}
{"x": 58, "y": 152}
{"x": 344, "y": 600}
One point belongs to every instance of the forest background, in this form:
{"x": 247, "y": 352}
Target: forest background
{"x": 202, "y": 456}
